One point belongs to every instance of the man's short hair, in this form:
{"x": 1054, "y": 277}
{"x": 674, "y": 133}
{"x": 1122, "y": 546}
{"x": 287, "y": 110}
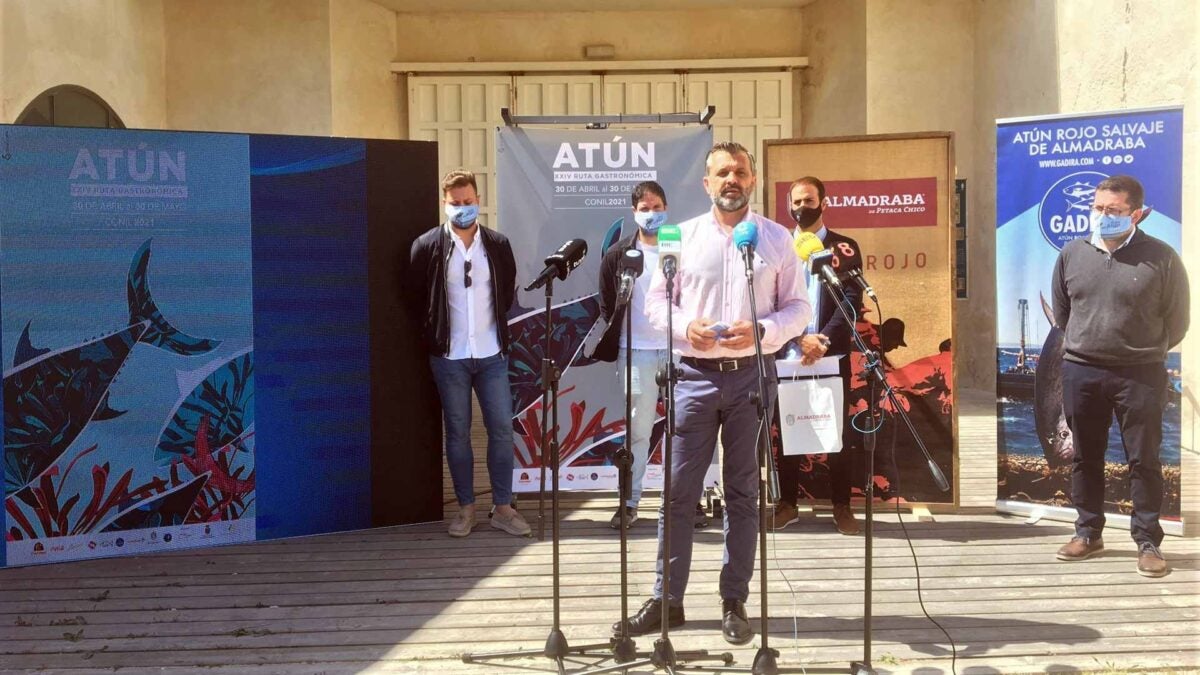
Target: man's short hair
{"x": 459, "y": 178}
{"x": 734, "y": 149}
{"x": 808, "y": 180}
{"x": 652, "y": 187}
{"x": 1129, "y": 186}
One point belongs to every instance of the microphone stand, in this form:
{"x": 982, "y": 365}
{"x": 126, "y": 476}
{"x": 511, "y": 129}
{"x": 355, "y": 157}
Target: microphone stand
{"x": 664, "y": 657}
{"x": 624, "y": 651}
{"x": 765, "y": 659}
{"x": 556, "y": 647}
{"x": 874, "y": 366}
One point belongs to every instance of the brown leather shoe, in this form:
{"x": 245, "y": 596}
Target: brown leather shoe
{"x": 1080, "y": 548}
{"x": 785, "y": 514}
{"x": 843, "y": 518}
{"x": 1151, "y": 562}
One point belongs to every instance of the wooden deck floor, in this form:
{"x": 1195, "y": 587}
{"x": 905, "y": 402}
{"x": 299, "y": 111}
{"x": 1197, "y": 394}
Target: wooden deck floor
{"x": 411, "y": 600}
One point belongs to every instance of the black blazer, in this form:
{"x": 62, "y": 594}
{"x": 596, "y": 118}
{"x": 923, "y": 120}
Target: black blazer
{"x": 610, "y": 343}
{"x": 830, "y": 322}
{"x": 425, "y": 284}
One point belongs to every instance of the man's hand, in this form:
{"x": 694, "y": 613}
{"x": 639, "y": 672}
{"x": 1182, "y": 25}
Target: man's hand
{"x": 701, "y": 337}
{"x": 812, "y": 347}
{"x": 739, "y": 336}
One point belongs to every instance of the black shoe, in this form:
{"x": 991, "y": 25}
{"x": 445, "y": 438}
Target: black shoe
{"x": 734, "y": 624}
{"x": 649, "y": 618}
{"x": 701, "y": 518}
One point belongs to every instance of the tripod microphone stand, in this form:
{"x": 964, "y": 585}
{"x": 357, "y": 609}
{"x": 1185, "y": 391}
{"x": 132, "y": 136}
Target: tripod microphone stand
{"x": 765, "y": 659}
{"x": 874, "y": 366}
{"x": 664, "y": 657}
{"x": 556, "y": 647}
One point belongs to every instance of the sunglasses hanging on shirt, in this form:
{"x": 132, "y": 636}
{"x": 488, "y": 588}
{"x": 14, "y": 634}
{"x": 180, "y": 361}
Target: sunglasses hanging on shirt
{"x": 466, "y": 274}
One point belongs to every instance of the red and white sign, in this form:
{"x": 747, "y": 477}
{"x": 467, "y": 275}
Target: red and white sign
{"x": 895, "y": 202}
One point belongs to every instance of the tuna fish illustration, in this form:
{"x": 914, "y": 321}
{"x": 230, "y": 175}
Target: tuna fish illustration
{"x": 50, "y": 396}
{"x": 1049, "y": 420}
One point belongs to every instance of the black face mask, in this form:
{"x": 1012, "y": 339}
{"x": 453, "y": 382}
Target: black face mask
{"x": 806, "y": 215}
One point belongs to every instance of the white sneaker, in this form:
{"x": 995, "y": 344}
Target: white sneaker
{"x": 463, "y": 521}
{"x": 512, "y": 523}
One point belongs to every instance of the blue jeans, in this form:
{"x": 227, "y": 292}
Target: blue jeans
{"x": 489, "y": 377}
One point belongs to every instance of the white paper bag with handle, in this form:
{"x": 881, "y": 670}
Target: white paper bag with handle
{"x": 811, "y": 415}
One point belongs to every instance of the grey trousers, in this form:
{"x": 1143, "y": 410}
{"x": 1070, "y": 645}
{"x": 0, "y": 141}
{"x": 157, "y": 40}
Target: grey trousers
{"x": 707, "y": 403}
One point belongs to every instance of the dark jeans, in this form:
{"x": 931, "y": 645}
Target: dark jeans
{"x": 1137, "y": 395}
{"x": 489, "y": 378}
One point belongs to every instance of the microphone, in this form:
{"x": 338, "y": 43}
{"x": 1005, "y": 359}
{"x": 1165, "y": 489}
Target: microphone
{"x": 807, "y": 244}
{"x": 857, "y": 275}
{"x": 670, "y": 246}
{"x": 629, "y": 267}
{"x": 821, "y": 264}
{"x": 811, "y": 250}
{"x": 561, "y": 262}
{"x": 745, "y": 238}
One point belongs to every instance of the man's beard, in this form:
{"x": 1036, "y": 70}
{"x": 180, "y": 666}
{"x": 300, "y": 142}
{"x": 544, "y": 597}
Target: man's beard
{"x": 731, "y": 204}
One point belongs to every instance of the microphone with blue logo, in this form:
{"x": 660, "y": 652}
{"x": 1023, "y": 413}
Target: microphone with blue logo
{"x": 745, "y": 239}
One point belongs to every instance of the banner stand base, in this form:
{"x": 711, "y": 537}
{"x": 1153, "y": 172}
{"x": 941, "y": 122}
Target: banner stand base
{"x": 1035, "y": 512}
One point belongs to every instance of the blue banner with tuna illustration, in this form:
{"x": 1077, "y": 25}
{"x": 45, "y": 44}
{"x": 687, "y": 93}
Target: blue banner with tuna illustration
{"x": 186, "y": 338}
{"x": 1047, "y": 171}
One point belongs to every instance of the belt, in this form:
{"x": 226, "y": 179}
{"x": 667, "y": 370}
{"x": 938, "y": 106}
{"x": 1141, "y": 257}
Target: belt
{"x": 719, "y": 365}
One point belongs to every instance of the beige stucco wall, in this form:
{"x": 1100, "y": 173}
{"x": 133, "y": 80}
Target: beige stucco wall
{"x": 112, "y": 47}
{"x": 833, "y": 96}
{"x": 365, "y": 94}
{"x": 260, "y": 67}
{"x": 551, "y": 36}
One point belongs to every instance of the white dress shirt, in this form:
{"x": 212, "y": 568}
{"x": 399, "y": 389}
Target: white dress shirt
{"x": 711, "y": 283}
{"x": 472, "y": 313}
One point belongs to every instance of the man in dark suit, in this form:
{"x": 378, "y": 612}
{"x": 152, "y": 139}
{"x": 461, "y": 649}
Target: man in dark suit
{"x": 827, "y": 334}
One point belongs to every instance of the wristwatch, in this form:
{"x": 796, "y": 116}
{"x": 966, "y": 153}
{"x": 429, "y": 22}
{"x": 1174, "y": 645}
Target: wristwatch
{"x": 762, "y": 330}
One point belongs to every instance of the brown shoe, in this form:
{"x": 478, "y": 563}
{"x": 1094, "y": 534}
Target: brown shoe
{"x": 785, "y": 514}
{"x": 843, "y": 518}
{"x": 1151, "y": 562}
{"x": 1080, "y": 548}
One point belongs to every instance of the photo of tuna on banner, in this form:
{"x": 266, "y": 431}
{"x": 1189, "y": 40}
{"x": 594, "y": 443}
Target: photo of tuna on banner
{"x": 557, "y": 185}
{"x": 1047, "y": 171}
{"x": 127, "y": 341}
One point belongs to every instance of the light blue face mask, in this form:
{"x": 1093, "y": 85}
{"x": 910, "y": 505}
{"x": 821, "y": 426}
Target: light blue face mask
{"x": 462, "y": 216}
{"x": 650, "y": 221}
{"x": 1111, "y": 226}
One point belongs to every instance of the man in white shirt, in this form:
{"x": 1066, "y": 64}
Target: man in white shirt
{"x": 461, "y": 282}
{"x": 717, "y": 373}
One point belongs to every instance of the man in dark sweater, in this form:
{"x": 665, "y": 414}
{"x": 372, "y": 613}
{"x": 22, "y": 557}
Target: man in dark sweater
{"x": 1121, "y": 299}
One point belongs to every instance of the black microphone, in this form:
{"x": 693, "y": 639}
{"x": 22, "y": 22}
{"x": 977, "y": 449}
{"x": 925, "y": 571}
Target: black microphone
{"x": 629, "y": 268}
{"x": 857, "y": 275}
{"x": 561, "y": 262}
{"x": 821, "y": 264}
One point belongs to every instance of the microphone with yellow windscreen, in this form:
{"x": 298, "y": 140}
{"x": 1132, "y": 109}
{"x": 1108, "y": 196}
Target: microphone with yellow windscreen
{"x": 807, "y": 244}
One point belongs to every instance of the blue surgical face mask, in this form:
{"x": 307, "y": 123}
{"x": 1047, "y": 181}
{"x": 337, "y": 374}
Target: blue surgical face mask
{"x": 1111, "y": 226}
{"x": 650, "y": 221}
{"x": 462, "y": 216}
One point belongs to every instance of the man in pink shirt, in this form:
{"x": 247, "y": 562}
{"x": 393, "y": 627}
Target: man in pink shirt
{"x": 717, "y": 374}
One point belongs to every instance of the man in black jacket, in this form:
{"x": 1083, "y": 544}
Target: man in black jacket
{"x": 461, "y": 282}
{"x": 827, "y": 335}
{"x": 649, "y": 345}
{"x": 1121, "y": 300}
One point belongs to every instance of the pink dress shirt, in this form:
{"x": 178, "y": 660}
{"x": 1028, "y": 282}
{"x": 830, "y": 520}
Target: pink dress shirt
{"x": 711, "y": 282}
